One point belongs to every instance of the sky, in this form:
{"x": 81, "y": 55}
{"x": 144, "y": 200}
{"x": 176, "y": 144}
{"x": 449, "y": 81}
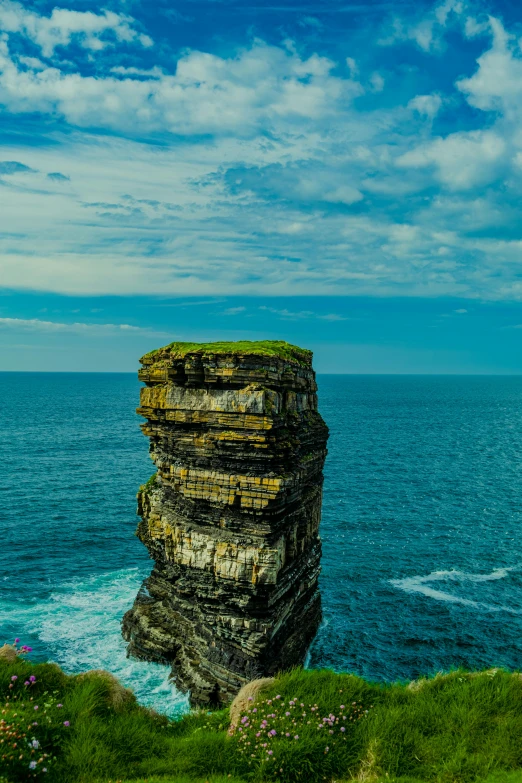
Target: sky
{"x": 343, "y": 175}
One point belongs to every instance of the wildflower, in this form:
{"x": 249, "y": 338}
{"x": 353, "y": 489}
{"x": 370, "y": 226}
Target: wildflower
{"x": 35, "y": 744}
{"x": 32, "y": 678}
{"x": 66, "y": 723}
{"x": 36, "y": 706}
{"x": 59, "y": 705}
{"x": 296, "y": 736}
{"x": 14, "y": 677}
{"x": 342, "y": 706}
{"x": 16, "y": 641}
{"x": 250, "y": 698}
{"x": 27, "y": 682}
{"x": 287, "y": 714}
{"x": 32, "y": 764}
{"x": 270, "y": 752}
{"x": 343, "y": 728}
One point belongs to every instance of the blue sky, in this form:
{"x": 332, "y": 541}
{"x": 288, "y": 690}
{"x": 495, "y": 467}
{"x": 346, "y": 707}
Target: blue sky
{"x": 344, "y": 175}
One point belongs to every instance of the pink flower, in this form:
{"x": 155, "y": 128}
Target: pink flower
{"x": 14, "y": 677}
{"x": 343, "y": 728}
{"x": 16, "y": 641}
{"x": 296, "y": 736}
{"x": 270, "y": 752}
{"x": 32, "y": 678}
{"x": 66, "y": 723}
{"x": 342, "y": 706}
{"x": 59, "y": 705}
{"x": 287, "y": 714}
{"x": 36, "y": 707}
{"x": 27, "y": 682}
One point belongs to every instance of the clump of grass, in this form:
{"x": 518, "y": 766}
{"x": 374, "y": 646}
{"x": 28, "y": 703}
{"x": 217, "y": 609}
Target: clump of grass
{"x": 149, "y": 484}
{"x": 277, "y": 736}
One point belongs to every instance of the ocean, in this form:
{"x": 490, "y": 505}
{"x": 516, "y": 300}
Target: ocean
{"x": 421, "y": 529}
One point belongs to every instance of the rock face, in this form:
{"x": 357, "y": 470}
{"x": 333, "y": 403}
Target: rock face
{"x": 231, "y": 518}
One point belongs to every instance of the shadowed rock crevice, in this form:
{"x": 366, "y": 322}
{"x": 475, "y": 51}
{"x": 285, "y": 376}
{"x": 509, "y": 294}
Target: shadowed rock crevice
{"x": 231, "y": 517}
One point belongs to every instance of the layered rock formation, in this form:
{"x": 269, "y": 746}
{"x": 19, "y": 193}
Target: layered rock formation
{"x": 231, "y": 518}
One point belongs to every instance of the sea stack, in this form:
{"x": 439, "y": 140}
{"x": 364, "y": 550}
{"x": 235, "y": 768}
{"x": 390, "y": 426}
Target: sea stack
{"x": 231, "y": 518}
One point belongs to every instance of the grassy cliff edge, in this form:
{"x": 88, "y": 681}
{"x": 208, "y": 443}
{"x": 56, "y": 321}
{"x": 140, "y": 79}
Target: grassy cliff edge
{"x": 456, "y": 727}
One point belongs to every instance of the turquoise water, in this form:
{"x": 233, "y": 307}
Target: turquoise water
{"x": 422, "y": 563}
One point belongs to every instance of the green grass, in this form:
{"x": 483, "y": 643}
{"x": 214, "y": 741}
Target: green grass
{"x": 278, "y": 348}
{"x": 456, "y": 728}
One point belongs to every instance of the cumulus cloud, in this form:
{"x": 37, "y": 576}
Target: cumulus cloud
{"x": 462, "y": 160}
{"x": 89, "y": 30}
{"x": 234, "y": 310}
{"x": 261, "y": 87}
{"x": 497, "y": 83}
{"x": 426, "y": 105}
{"x": 427, "y": 31}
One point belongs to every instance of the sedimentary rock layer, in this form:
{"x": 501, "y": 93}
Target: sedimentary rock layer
{"x": 231, "y": 518}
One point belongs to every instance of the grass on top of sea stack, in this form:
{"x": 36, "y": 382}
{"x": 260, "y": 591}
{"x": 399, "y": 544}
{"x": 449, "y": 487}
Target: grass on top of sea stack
{"x": 276, "y": 348}
{"x": 455, "y": 728}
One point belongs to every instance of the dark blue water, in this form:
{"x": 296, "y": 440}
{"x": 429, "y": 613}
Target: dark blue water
{"x": 422, "y": 523}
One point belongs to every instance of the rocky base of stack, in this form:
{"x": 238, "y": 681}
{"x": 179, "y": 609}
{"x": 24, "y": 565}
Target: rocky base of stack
{"x": 231, "y": 518}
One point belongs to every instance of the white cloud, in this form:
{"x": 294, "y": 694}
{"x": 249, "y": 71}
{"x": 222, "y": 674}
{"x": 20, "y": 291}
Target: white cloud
{"x": 426, "y": 105}
{"x": 264, "y": 86}
{"x": 302, "y": 314}
{"x": 377, "y": 82}
{"x": 462, "y": 160}
{"x": 59, "y": 29}
{"x": 101, "y": 330}
{"x": 497, "y": 83}
{"x": 234, "y": 310}
{"x": 460, "y": 311}
{"x": 428, "y": 30}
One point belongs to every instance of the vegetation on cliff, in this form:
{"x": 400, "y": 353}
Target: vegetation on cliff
{"x": 277, "y": 348}
{"x": 461, "y": 727}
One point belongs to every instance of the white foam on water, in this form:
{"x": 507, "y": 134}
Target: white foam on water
{"x": 80, "y": 626}
{"x": 421, "y": 585}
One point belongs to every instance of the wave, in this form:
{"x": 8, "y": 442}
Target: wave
{"x": 79, "y": 625}
{"x": 421, "y": 585}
